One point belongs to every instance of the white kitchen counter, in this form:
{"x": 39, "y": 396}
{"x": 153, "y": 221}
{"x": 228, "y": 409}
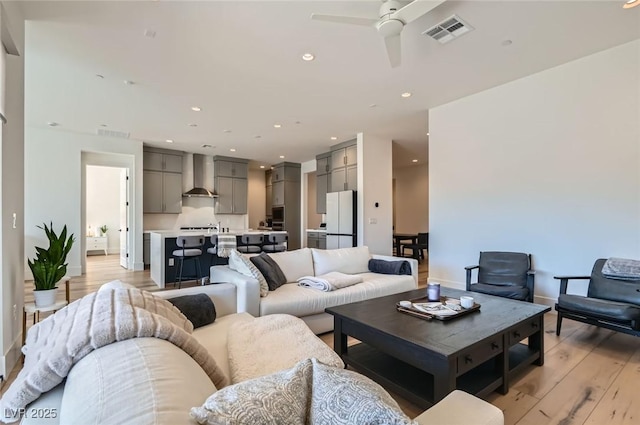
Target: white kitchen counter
{"x": 317, "y": 230}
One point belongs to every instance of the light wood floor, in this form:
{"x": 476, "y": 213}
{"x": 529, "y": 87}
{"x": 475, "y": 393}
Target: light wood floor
{"x": 590, "y": 375}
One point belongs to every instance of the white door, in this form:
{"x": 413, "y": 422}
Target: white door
{"x": 124, "y": 218}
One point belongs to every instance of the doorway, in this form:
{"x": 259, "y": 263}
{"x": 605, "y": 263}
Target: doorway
{"x": 106, "y": 213}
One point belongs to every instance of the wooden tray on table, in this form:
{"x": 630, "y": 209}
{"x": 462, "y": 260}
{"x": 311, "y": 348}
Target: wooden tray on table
{"x": 446, "y": 309}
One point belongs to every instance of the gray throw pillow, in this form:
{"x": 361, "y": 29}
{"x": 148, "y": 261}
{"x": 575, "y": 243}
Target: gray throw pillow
{"x": 270, "y": 270}
{"x": 198, "y": 308}
{"x": 280, "y": 398}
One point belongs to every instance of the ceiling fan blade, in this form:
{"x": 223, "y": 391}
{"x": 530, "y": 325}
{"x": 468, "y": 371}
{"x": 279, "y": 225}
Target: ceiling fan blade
{"x": 351, "y": 20}
{"x": 394, "y": 50}
{"x": 416, "y": 9}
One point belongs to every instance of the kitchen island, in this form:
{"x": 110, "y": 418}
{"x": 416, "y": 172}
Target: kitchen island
{"x": 164, "y": 267}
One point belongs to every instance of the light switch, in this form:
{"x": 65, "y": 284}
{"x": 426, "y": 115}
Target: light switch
{"x": 373, "y": 221}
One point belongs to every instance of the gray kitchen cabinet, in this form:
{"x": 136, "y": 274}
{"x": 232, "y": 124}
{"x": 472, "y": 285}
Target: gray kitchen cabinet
{"x": 230, "y": 181}
{"x": 268, "y": 202}
{"x": 322, "y": 240}
{"x": 158, "y": 161}
{"x": 162, "y": 181}
{"x": 278, "y": 193}
{"x": 285, "y": 172}
{"x": 344, "y": 167}
{"x": 285, "y": 178}
{"x": 323, "y": 181}
{"x": 224, "y": 168}
{"x": 317, "y": 240}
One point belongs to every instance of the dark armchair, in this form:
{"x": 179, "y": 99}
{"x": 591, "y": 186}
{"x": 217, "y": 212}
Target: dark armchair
{"x": 504, "y": 274}
{"x": 610, "y": 303}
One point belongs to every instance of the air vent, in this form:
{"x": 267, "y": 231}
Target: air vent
{"x": 112, "y": 133}
{"x": 449, "y": 29}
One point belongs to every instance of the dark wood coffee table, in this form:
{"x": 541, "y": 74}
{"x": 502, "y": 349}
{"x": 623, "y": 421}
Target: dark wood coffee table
{"x": 424, "y": 360}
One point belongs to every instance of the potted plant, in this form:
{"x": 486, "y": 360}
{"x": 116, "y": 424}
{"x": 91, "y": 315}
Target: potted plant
{"x": 103, "y": 230}
{"x": 49, "y": 265}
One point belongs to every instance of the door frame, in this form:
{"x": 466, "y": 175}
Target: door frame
{"x": 107, "y": 160}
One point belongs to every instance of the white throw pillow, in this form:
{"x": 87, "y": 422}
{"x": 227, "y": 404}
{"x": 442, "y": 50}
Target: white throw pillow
{"x": 243, "y": 265}
{"x": 344, "y": 260}
{"x": 115, "y": 284}
{"x": 294, "y": 264}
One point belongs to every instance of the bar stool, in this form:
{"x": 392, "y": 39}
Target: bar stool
{"x": 275, "y": 242}
{"x": 214, "y": 248}
{"x": 190, "y": 249}
{"x": 251, "y": 243}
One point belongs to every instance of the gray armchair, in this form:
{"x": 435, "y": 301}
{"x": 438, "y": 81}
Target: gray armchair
{"x": 610, "y": 303}
{"x": 504, "y": 274}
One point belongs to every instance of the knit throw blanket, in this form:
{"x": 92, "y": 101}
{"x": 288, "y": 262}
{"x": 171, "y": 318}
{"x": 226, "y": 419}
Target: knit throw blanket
{"x": 54, "y": 345}
{"x": 621, "y": 268}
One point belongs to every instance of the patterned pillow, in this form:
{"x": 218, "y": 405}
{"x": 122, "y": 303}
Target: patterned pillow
{"x": 243, "y": 265}
{"x": 280, "y": 398}
{"x": 341, "y": 396}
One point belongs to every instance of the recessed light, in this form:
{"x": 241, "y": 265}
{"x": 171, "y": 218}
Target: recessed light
{"x": 427, "y": 134}
{"x": 149, "y": 33}
{"x": 207, "y": 146}
{"x": 232, "y": 150}
{"x": 281, "y": 156}
{"x": 100, "y": 76}
{"x": 196, "y": 109}
{"x": 414, "y": 160}
{"x": 631, "y": 3}
{"x": 308, "y": 57}
{"x": 373, "y": 105}
{"x": 298, "y": 122}
{"x": 506, "y": 43}
{"x": 192, "y": 125}
{"x": 406, "y": 94}
{"x": 334, "y": 138}
{"x": 226, "y": 131}
{"x": 53, "y": 124}
{"x": 262, "y": 166}
{"x": 129, "y": 82}
{"x": 169, "y": 141}
{"x": 257, "y": 137}
{"x": 277, "y": 125}
{"x": 103, "y": 125}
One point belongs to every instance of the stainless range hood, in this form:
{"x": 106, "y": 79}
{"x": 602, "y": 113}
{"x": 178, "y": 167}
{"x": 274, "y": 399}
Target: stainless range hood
{"x": 199, "y": 190}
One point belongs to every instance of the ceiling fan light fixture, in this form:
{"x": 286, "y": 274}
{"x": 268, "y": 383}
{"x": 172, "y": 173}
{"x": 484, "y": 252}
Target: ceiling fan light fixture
{"x": 631, "y": 3}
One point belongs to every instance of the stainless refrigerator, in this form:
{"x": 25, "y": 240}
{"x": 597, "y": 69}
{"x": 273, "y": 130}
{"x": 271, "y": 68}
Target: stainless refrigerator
{"x": 341, "y": 219}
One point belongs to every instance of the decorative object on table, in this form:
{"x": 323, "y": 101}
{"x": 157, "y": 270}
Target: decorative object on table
{"x": 433, "y": 291}
{"x": 103, "y": 230}
{"x": 446, "y": 309}
{"x": 49, "y": 266}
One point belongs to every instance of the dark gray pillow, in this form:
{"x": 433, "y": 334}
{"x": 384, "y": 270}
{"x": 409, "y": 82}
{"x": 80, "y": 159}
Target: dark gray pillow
{"x": 270, "y": 270}
{"x": 198, "y": 308}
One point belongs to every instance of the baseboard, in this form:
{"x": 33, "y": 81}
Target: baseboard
{"x": 551, "y": 302}
{"x": 448, "y": 283}
{"x": 113, "y": 251}
{"x": 137, "y": 266}
{"x": 11, "y": 356}
{"x": 74, "y": 271}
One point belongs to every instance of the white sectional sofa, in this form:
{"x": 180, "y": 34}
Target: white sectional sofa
{"x": 309, "y": 304}
{"x": 145, "y": 381}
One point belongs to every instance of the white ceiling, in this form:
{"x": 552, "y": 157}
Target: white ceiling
{"x": 241, "y": 63}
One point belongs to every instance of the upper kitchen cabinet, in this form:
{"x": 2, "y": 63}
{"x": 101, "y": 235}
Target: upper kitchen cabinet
{"x": 162, "y": 181}
{"x": 323, "y": 181}
{"x": 286, "y": 171}
{"x": 158, "y": 161}
{"x": 344, "y": 167}
{"x": 230, "y": 181}
{"x": 268, "y": 193}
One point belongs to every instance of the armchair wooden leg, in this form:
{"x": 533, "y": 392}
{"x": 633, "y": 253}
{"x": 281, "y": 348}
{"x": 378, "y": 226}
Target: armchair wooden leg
{"x": 559, "y": 324}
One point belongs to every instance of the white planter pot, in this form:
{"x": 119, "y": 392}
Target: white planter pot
{"x": 45, "y": 298}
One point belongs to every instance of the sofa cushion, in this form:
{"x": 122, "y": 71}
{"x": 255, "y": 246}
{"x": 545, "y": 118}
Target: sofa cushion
{"x": 270, "y": 270}
{"x": 198, "y": 308}
{"x": 213, "y": 337}
{"x": 115, "y": 284}
{"x": 299, "y": 301}
{"x": 294, "y": 264}
{"x": 280, "y": 398}
{"x": 243, "y": 265}
{"x": 132, "y": 382}
{"x": 345, "y": 260}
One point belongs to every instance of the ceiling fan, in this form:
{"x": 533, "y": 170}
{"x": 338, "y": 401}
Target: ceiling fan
{"x": 389, "y": 25}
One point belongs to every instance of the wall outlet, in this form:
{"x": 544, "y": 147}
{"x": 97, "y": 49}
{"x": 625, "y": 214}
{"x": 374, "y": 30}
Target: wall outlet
{"x": 171, "y": 262}
{"x": 15, "y": 312}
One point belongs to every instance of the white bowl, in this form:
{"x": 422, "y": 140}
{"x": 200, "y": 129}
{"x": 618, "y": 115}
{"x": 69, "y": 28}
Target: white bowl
{"x": 405, "y": 304}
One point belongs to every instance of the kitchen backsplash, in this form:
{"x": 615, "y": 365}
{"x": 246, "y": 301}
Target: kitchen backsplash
{"x": 195, "y": 212}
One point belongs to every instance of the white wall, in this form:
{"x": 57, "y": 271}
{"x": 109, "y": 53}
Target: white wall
{"x": 313, "y": 218}
{"x": 12, "y": 194}
{"x": 411, "y": 199}
{"x": 53, "y": 186}
{"x": 375, "y": 186}
{"x": 103, "y": 203}
{"x": 548, "y": 164}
